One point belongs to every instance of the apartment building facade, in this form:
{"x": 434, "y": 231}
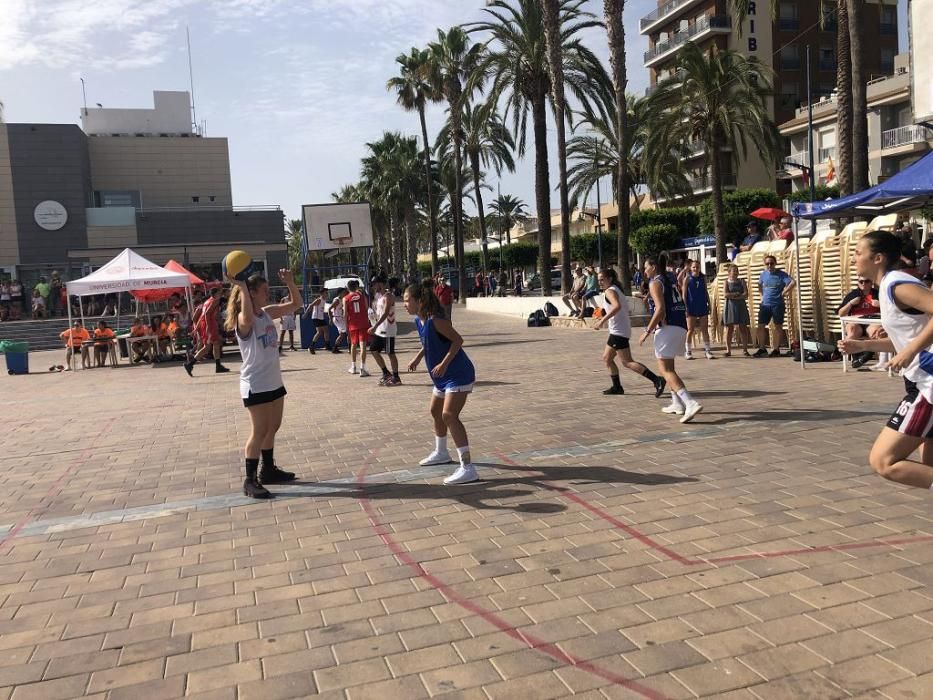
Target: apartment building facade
{"x": 72, "y": 198}
{"x": 780, "y": 43}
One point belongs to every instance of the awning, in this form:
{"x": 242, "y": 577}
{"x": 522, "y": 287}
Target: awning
{"x": 127, "y": 272}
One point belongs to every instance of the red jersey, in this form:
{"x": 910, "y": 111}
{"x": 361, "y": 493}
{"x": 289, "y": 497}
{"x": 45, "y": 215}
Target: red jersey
{"x": 357, "y": 311}
{"x": 444, "y": 294}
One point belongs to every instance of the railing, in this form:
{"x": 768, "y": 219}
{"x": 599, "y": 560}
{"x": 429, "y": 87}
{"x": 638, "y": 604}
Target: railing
{"x": 665, "y": 9}
{"x": 801, "y": 158}
{"x": 705, "y": 182}
{"x": 703, "y": 24}
{"x": 210, "y": 207}
{"x": 826, "y": 153}
{"x": 902, "y": 136}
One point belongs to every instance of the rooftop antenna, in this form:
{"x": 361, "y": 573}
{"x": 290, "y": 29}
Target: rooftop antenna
{"x": 194, "y": 114}
{"x": 84, "y": 93}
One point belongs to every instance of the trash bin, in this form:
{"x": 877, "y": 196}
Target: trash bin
{"x": 17, "y": 356}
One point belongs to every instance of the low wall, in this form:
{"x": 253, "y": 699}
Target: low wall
{"x": 522, "y": 306}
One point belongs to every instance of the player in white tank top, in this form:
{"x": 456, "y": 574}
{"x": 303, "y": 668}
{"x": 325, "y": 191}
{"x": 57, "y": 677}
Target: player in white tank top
{"x": 339, "y": 318}
{"x": 321, "y": 330}
{"x": 907, "y": 318}
{"x": 616, "y": 319}
{"x": 384, "y": 331}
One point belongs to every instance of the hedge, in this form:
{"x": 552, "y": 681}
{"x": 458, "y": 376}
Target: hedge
{"x": 684, "y": 219}
{"x": 655, "y": 238}
{"x": 737, "y": 207}
{"x": 821, "y": 192}
{"x": 513, "y": 255}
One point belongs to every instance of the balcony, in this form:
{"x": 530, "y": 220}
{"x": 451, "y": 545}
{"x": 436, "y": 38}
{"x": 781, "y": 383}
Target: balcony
{"x": 708, "y": 24}
{"x": 704, "y": 183}
{"x": 825, "y": 154}
{"x": 663, "y": 13}
{"x": 800, "y": 158}
{"x": 902, "y": 136}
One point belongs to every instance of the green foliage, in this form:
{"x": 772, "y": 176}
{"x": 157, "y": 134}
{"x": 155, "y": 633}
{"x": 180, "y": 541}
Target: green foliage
{"x": 655, "y": 238}
{"x": 737, "y": 206}
{"x": 821, "y": 192}
{"x": 514, "y": 255}
{"x": 585, "y": 248}
{"x": 684, "y": 219}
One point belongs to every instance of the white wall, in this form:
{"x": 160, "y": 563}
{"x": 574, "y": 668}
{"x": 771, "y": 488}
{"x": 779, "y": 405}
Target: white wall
{"x": 522, "y": 306}
{"x": 171, "y": 115}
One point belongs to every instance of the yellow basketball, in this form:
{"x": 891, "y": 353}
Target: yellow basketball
{"x": 238, "y": 265}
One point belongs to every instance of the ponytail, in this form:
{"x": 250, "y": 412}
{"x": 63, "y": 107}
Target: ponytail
{"x": 424, "y": 295}
{"x": 235, "y": 304}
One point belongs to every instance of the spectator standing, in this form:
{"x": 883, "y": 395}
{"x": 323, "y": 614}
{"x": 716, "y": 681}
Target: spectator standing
{"x": 573, "y": 297}
{"x": 56, "y": 290}
{"x": 696, "y": 296}
{"x": 491, "y": 285}
{"x": 17, "y": 302}
{"x": 735, "y": 314}
{"x": 478, "y": 285}
{"x": 319, "y": 319}
{"x": 445, "y": 295}
{"x": 75, "y": 338}
{"x": 43, "y": 288}
{"x": 519, "y": 283}
{"x": 773, "y": 285}
{"x": 503, "y": 283}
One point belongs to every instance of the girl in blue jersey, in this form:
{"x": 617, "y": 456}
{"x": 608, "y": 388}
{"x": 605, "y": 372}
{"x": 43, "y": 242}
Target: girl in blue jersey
{"x": 696, "y": 295}
{"x": 668, "y": 324}
{"x": 453, "y": 376}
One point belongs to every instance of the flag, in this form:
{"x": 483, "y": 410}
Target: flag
{"x": 830, "y": 171}
{"x": 806, "y": 176}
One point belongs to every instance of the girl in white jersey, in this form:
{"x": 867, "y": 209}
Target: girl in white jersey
{"x": 384, "y": 330}
{"x": 318, "y": 318}
{"x": 261, "y": 387}
{"x": 616, "y": 319}
{"x": 907, "y": 318}
{"x": 339, "y": 318}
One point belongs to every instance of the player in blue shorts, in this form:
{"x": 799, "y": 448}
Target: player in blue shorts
{"x": 453, "y": 376}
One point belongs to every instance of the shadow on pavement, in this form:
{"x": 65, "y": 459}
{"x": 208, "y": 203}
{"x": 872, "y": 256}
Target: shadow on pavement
{"x": 737, "y": 393}
{"x": 770, "y": 416}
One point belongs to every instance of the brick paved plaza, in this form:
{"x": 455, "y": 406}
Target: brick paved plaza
{"x": 609, "y": 552}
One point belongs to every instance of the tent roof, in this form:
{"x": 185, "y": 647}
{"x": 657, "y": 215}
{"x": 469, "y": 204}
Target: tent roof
{"x": 161, "y": 294}
{"x": 128, "y": 271}
{"x": 911, "y": 188}
{"x": 178, "y": 267}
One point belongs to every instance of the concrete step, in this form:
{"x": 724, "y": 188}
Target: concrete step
{"x": 638, "y": 321}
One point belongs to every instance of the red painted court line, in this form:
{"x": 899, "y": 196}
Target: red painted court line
{"x": 54, "y": 489}
{"x": 548, "y": 648}
{"x": 680, "y": 559}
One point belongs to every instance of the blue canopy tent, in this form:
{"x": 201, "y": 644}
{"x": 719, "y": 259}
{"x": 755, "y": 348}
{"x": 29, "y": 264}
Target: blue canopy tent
{"x": 911, "y": 188}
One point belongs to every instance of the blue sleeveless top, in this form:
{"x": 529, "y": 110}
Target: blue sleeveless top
{"x": 675, "y": 312}
{"x": 460, "y": 372}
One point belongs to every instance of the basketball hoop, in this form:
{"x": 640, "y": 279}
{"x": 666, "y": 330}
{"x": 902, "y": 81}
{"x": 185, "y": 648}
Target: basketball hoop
{"x": 342, "y": 242}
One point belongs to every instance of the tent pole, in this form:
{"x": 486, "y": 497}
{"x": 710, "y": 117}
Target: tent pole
{"x": 70, "y": 324}
{"x": 803, "y": 360}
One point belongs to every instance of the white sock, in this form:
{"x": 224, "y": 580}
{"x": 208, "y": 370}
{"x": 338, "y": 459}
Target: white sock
{"x": 675, "y": 400}
{"x": 706, "y": 346}
{"x": 352, "y": 365}
{"x": 363, "y": 366}
{"x": 687, "y": 347}
{"x": 684, "y": 396}
{"x": 440, "y": 444}
{"x": 461, "y": 451}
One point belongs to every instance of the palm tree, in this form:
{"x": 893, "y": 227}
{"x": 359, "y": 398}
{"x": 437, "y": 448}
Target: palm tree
{"x": 414, "y": 88}
{"x": 844, "y": 120}
{"x": 859, "y": 97}
{"x": 486, "y": 142}
{"x": 509, "y": 210}
{"x": 294, "y": 243}
{"x": 454, "y": 64}
{"x": 517, "y": 63}
{"x": 595, "y": 155}
{"x": 718, "y": 97}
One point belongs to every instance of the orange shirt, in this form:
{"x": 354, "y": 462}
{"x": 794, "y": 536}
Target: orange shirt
{"x": 137, "y": 331}
{"x": 73, "y": 338}
{"x": 173, "y": 329}
{"x": 161, "y": 331}
{"x": 105, "y": 333}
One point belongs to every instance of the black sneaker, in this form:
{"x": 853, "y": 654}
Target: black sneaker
{"x": 614, "y": 390}
{"x": 189, "y": 366}
{"x": 254, "y": 489}
{"x": 659, "y": 385}
{"x": 775, "y": 353}
{"x": 311, "y": 350}
{"x": 761, "y": 352}
{"x": 274, "y": 475}
{"x": 336, "y": 351}
{"x": 220, "y": 369}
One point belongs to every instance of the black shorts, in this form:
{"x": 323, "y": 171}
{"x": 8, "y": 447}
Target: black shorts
{"x": 382, "y": 344}
{"x": 318, "y": 322}
{"x": 259, "y": 398}
{"x": 617, "y": 342}
{"x": 913, "y": 415}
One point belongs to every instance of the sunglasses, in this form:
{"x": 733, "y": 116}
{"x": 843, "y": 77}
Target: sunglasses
{"x": 864, "y": 281}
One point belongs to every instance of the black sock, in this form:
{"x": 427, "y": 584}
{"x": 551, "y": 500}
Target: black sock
{"x": 616, "y": 382}
{"x": 395, "y": 375}
{"x": 217, "y": 363}
{"x": 650, "y": 376}
{"x": 252, "y": 466}
{"x": 385, "y": 372}
{"x": 268, "y": 461}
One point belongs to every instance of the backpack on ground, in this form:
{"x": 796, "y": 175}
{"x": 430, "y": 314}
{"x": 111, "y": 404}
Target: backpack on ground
{"x": 587, "y": 312}
{"x": 537, "y": 319}
{"x": 550, "y": 309}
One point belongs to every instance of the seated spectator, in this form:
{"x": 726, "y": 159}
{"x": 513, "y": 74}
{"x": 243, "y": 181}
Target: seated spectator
{"x": 573, "y": 298}
{"x": 773, "y": 230}
{"x": 786, "y": 232}
{"x": 105, "y": 335}
{"x": 861, "y": 301}
{"x": 592, "y": 287}
{"x": 141, "y": 350}
{"x": 160, "y": 330}
{"x": 752, "y": 236}
{"x": 75, "y": 338}
{"x": 38, "y": 304}
{"x": 923, "y": 264}
{"x": 173, "y": 328}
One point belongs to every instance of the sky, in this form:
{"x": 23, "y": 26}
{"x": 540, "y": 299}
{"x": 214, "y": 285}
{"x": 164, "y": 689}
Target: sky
{"x": 297, "y": 86}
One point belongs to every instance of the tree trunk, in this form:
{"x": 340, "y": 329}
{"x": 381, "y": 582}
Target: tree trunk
{"x": 432, "y": 213}
{"x": 715, "y": 176}
{"x": 456, "y": 199}
{"x": 398, "y": 255}
{"x": 859, "y": 99}
{"x": 542, "y": 190}
{"x": 843, "y": 103}
{"x": 410, "y": 242}
{"x": 552, "y": 26}
{"x": 613, "y": 11}
{"x": 477, "y": 192}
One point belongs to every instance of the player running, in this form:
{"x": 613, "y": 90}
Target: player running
{"x": 452, "y": 374}
{"x": 356, "y": 310}
{"x": 669, "y": 325}
{"x": 318, "y": 318}
{"x": 907, "y": 318}
{"x": 384, "y": 330}
{"x": 616, "y": 318}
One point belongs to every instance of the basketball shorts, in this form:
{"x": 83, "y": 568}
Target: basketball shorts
{"x": 913, "y": 415}
{"x": 439, "y": 391}
{"x": 358, "y": 336}
{"x": 261, "y": 397}
{"x": 618, "y": 342}
{"x": 381, "y": 343}
{"x": 669, "y": 342}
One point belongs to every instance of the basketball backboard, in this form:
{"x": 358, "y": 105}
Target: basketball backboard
{"x": 337, "y": 226}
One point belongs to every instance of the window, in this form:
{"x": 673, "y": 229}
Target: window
{"x": 790, "y": 57}
{"x": 889, "y": 20}
{"x": 788, "y": 19}
{"x": 790, "y": 95}
{"x": 117, "y": 198}
{"x": 195, "y": 199}
{"x": 211, "y": 198}
{"x": 887, "y": 60}
{"x": 827, "y": 58}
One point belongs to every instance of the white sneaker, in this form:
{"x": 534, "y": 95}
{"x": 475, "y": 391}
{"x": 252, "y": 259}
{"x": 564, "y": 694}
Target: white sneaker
{"x": 688, "y": 355}
{"x": 364, "y": 373}
{"x": 879, "y": 367}
{"x": 690, "y": 411}
{"x": 352, "y": 370}
{"x": 673, "y": 408}
{"x": 709, "y": 355}
{"x": 464, "y": 475}
{"x": 436, "y": 458}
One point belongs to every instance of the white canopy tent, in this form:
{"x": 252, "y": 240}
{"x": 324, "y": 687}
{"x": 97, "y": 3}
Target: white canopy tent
{"x": 127, "y": 272}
